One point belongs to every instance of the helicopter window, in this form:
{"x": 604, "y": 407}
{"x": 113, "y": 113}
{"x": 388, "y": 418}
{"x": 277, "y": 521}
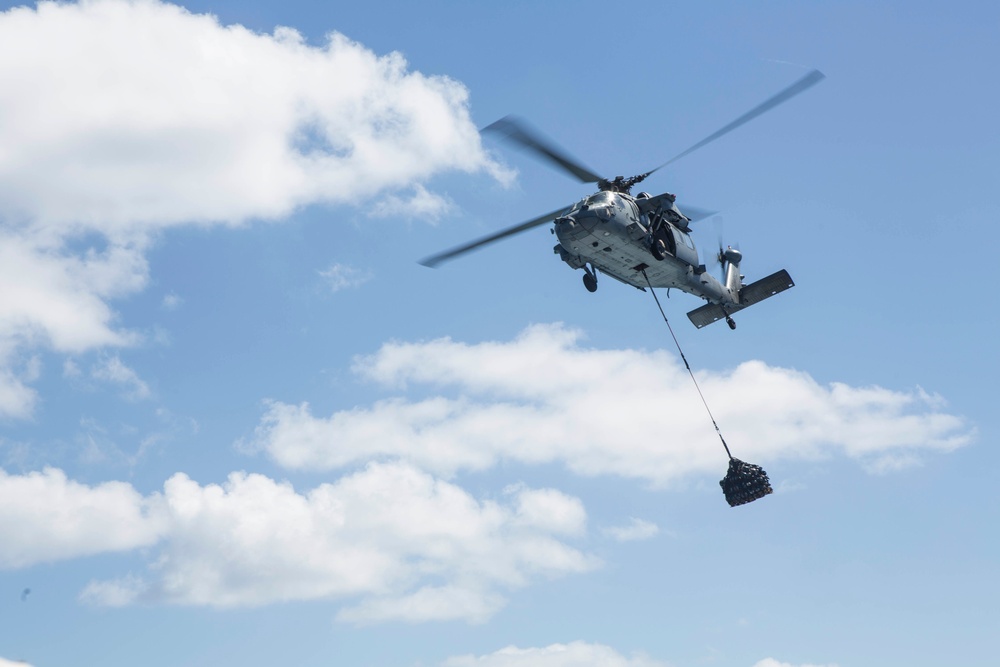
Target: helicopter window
{"x": 633, "y": 208}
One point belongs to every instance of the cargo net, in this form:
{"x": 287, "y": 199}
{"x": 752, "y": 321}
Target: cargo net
{"x": 744, "y": 483}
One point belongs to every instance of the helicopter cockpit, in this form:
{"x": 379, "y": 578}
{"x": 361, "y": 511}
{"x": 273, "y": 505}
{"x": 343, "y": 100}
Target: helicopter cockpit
{"x": 601, "y": 204}
{"x": 598, "y": 199}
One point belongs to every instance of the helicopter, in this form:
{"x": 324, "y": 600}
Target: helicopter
{"x": 641, "y": 240}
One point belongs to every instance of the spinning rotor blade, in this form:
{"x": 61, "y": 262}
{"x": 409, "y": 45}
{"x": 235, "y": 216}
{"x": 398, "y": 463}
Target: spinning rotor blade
{"x": 720, "y": 260}
{"x": 803, "y": 84}
{"x": 694, "y": 214}
{"x": 439, "y": 258}
{"x": 518, "y": 131}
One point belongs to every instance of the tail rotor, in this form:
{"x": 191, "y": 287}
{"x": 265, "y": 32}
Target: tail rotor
{"x": 719, "y": 258}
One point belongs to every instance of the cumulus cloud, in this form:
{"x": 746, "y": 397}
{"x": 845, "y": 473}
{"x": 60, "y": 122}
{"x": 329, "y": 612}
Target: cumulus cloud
{"x": 124, "y": 117}
{"x": 46, "y": 517}
{"x": 393, "y": 542}
{"x": 390, "y": 542}
{"x": 120, "y": 112}
{"x": 534, "y": 400}
{"x": 573, "y": 654}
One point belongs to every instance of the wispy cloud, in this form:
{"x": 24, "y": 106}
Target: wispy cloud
{"x": 635, "y": 529}
{"x": 113, "y": 370}
{"x": 171, "y": 301}
{"x": 421, "y": 205}
{"x": 555, "y": 655}
{"x": 342, "y": 276}
{"x": 771, "y": 662}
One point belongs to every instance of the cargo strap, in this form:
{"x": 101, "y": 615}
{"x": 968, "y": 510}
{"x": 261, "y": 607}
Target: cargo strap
{"x": 686, "y": 364}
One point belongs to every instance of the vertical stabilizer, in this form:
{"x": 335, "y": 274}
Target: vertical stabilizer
{"x": 733, "y": 278}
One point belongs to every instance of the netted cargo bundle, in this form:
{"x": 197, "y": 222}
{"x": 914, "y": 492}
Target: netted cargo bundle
{"x": 744, "y": 483}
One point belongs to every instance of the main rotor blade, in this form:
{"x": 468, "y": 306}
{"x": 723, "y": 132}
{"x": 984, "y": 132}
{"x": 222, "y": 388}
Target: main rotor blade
{"x": 803, "y": 84}
{"x": 694, "y": 213}
{"x": 434, "y": 260}
{"x": 519, "y": 132}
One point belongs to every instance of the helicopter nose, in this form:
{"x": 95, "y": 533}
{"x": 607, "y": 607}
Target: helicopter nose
{"x": 571, "y": 228}
{"x": 585, "y": 220}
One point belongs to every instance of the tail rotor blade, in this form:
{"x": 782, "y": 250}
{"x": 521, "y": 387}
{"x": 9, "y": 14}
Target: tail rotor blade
{"x": 718, "y": 224}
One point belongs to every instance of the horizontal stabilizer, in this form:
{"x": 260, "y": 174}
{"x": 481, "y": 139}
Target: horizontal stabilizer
{"x": 707, "y": 314}
{"x": 765, "y": 287}
{"x": 749, "y": 295}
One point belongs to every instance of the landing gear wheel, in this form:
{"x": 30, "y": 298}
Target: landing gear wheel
{"x": 730, "y": 322}
{"x": 658, "y": 249}
{"x": 590, "y": 282}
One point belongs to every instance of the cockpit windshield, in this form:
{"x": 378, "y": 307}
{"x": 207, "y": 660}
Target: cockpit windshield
{"x": 599, "y": 199}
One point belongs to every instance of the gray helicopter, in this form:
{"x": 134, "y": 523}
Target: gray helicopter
{"x": 640, "y": 240}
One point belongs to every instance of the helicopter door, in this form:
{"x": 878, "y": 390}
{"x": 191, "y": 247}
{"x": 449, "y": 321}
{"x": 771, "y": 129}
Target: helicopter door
{"x": 685, "y": 247}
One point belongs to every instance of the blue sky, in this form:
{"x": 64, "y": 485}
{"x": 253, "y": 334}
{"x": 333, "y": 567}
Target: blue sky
{"x": 239, "y": 423}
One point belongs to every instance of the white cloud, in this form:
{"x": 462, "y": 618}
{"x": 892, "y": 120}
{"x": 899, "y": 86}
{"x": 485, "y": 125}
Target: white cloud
{"x": 16, "y": 398}
{"x": 172, "y": 301}
{"x": 46, "y": 517}
{"x": 13, "y": 663}
{"x": 544, "y": 398}
{"x": 342, "y": 276}
{"x": 422, "y": 205}
{"x": 71, "y": 369}
{"x": 53, "y": 298}
{"x": 205, "y": 122}
{"x": 112, "y": 369}
{"x": 636, "y": 529}
{"x": 121, "y": 118}
{"x": 430, "y": 603}
{"x": 574, "y": 654}
{"x": 391, "y": 541}
{"x": 771, "y": 662}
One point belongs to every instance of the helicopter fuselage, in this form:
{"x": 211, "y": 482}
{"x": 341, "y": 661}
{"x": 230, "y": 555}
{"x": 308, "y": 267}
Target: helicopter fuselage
{"x": 633, "y": 239}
